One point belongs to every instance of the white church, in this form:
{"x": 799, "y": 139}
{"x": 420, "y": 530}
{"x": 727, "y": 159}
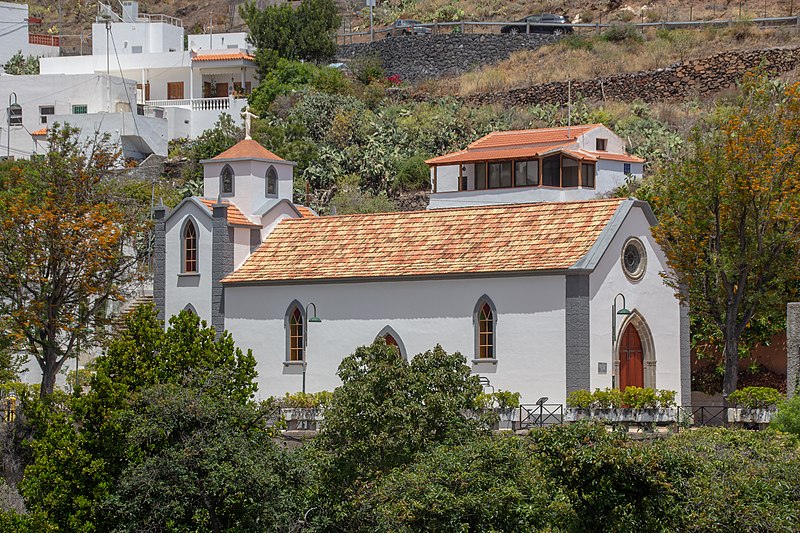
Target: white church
{"x": 542, "y": 297}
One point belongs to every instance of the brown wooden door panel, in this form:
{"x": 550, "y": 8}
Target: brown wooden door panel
{"x": 222, "y": 89}
{"x": 175, "y": 90}
{"x": 631, "y": 359}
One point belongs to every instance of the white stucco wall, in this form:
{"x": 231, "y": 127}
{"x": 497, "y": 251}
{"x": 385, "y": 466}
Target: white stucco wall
{"x": 588, "y": 141}
{"x": 218, "y": 41}
{"x": 446, "y": 178}
{"x": 249, "y": 189}
{"x": 509, "y": 196}
{"x": 195, "y": 289}
{"x": 649, "y": 296}
{"x": 153, "y": 37}
{"x": 63, "y": 92}
{"x": 530, "y": 328}
{"x": 137, "y": 135}
{"x": 241, "y": 245}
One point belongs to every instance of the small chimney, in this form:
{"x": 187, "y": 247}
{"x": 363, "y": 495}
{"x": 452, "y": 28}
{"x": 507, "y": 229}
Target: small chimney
{"x": 130, "y": 11}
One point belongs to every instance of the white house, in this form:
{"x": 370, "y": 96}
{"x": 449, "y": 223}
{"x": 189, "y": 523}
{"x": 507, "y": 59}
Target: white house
{"x": 81, "y": 100}
{"x": 543, "y": 165}
{"x": 525, "y": 291}
{"x": 15, "y": 35}
{"x": 189, "y": 87}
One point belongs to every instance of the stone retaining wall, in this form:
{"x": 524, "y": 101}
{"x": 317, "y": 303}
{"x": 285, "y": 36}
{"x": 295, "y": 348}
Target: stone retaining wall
{"x": 690, "y": 79}
{"x": 414, "y": 57}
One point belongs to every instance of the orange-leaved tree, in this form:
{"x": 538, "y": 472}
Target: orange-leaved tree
{"x": 729, "y": 213}
{"x": 64, "y": 250}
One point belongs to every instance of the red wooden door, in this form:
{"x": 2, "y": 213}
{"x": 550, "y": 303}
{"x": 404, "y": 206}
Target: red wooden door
{"x": 631, "y": 359}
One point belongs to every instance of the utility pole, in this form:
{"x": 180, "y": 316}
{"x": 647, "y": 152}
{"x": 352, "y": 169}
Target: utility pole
{"x": 108, "y": 64}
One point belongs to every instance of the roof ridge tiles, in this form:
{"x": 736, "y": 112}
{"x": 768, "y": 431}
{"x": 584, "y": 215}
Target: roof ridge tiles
{"x": 477, "y": 208}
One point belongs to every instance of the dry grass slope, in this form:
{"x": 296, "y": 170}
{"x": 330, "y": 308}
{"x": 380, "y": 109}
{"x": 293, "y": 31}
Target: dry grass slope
{"x": 583, "y": 57}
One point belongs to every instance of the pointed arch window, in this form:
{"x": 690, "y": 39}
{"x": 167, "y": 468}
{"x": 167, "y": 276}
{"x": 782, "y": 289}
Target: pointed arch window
{"x": 190, "y": 309}
{"x": 272, "y": 181}
{"x": 190, "y": 247}
{"x": 296, "y": 334}
{"x": 391, "y": 337}
{"x": 485, "y": 320}
{"x": 226, "y": 180}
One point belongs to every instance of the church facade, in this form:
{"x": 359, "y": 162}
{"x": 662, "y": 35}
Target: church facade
{"x": 542, "y": 298}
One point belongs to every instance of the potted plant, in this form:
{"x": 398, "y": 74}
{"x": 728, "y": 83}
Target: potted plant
{"x": 634, "y": 405}
{"x": 499, "y": 409}
{"x": 304, "y": 411}
{"x": 753, "y": 406}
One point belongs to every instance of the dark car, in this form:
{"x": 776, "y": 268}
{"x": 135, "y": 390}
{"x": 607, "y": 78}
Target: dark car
{"x": 560, "y": 25}
{"x": 409, "y": 27}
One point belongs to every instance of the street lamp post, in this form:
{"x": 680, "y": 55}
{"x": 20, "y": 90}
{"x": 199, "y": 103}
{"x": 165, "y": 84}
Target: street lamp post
{"x": 622, "y": 312}
{"x": 316, "y": 320}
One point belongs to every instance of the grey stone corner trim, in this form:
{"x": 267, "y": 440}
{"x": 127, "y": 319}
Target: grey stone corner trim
{"x": 792, "y": 348}
{"x": 577, "y": 331}
{"x": 686, "y": 356}
{"x": 221, "y": 264}
{"x": 160, "y": 261}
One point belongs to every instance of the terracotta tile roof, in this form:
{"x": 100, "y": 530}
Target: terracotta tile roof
{"x": 39, "y": 133}
{"x": 486, "y": 239}
{"x": 305, "y": 211}
{"x": 499, "y": 139}
{"x": 471, "y": 156}
{"x": 223, "y": 56}
{"x": 627, "y": 158}
{"x": 580, "y": 154}
{"x": 235, "y": 216}
{"x": 247, "y": 149}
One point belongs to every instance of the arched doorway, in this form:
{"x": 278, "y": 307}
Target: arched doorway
{"x": 631, "y": 358}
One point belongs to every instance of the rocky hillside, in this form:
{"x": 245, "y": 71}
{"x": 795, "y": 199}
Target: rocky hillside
{"x": 73, "y": 18}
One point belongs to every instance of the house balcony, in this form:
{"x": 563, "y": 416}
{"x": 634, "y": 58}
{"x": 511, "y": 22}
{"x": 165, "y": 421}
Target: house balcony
{"x": 220, "y": 103}
{"x": 43, "y": 39}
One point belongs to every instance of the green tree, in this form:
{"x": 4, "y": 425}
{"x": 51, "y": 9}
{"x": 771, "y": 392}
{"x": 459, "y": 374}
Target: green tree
{"x": 385, "y": 412}
{"x": 201, "y": 462}
{"x": 19, "y": 65}
{"x": 307, "y": 33}
{"x": 63, "y": 251}
{"x": 728, "y": 213}
{"x": 388, "y": 409}
{"x": 81, "y": 444}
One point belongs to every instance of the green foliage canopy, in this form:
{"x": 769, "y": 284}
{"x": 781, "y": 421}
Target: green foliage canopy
{"x": 728, "y": 213}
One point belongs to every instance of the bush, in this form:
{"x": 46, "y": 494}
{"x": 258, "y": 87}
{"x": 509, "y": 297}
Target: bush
{"x": 787, "y": 419}
{"x": 488, "y": 484}
{"x": 621, "y": 33}
{"x": 608, "y": 398}
{"x": 610, "y": 481}
{"x": 733, "y": 480}
{"x": 756, "y": 397}
{"x": 367, "y": 68}
{"x": 308, "y": 400}
{"x": 639, "y": 398}
{"x": 412, "y": 175}
{"x": 580, "y": 399}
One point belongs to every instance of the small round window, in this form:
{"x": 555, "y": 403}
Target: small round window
{"x": 634, "y": 259}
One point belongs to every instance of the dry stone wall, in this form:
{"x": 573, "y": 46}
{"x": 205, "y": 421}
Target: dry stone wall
{"x": 414, "y": 57}
{"x": 689, "y": 79}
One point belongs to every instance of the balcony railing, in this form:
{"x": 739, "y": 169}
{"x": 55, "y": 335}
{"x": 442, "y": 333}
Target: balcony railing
{"x": 196, "y": 104}
{"x": 43, "y": 39}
